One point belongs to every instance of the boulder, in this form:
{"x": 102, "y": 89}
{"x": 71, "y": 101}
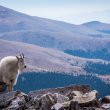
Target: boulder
{"x": 13, "y": 100}
{"x": 60, "y": 98}
{"x": 66, "y": 106}
{"x": 106, "y": 106}
{"x": 18, "y": 102}
{"x": 88, "y": 99}
{"x": 60, "y": 90}
{"x": 46, "y": 102}
{"x": 71, "y": 94}
{"x": 58, "y": 106}
{"x": 4, "y": 104}
{"x": 105, "y": 99}
{"x": 90, "y": 108}
{"x": 74, "y": 106}
{"x": 6, "y": 98}
{"x": 35, "y": 103}
{"x": 19, "y": 93}
{"x": 69, "y": 98}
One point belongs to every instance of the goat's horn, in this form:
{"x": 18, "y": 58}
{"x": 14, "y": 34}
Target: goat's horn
{"x": 23, "y": 55}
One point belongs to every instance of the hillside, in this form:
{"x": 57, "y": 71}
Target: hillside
{"x": 49, "y": 33}
{"x": 11, "y": 20}
{"x": 56, "y": 40}
{"x": 39, "y": 58}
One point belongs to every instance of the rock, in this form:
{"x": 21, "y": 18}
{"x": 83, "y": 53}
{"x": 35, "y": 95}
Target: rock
{"x": 60, "y": 90}
{"x": 14, "y": 104}
{"x": 71, "y": 94}
{"x": 4, "y": 104}
{"x": 18, "y": 102}
{"x": 6, "y": 98}
{"x": 74, "y": 106}
{"x": 90, "y": 108}
{"x": 106, "y": 106}
{"x": 60, "y": 98}
{"x": 31, "y": 108}
{"x": 46, "y": 102}
{"x": 69, "y": 98}
{"x": 106, "y": 99}
{"x": 36, "y": 102}
{"x": 27, "y": 98}
{"x": 58, "y": 106}
{"x": 86, "y": 98}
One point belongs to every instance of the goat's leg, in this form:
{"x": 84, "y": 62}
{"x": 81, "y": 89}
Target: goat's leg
{"x": 10, "y": 88}
{"x": 14, "y": 81}
{"x": 10, "y": 85}
{"x": 1, "y": 88}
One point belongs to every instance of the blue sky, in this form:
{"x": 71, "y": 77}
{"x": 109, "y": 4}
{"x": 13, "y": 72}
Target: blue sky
{"x": 65, "y": 10}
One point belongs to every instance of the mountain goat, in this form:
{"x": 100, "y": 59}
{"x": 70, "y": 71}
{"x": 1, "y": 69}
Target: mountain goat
{"x": 10, "y": 67}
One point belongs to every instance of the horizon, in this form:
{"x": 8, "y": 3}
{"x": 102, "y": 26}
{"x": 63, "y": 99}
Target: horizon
{"x": 71, "y": 11}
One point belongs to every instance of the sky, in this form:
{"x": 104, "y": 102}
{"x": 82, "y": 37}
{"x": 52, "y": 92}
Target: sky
{"x": 73, "y": 11}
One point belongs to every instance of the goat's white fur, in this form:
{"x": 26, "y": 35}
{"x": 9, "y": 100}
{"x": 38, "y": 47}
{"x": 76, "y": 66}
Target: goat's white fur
{"x": 9, "y": 71}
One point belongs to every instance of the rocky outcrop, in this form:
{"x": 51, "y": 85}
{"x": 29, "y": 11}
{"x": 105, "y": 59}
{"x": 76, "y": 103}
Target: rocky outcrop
{"x": 61, "y": 90}
{"x": 105, "y": 99}
{"x": 105, "y": 102}
{"x": 67, "y": 98}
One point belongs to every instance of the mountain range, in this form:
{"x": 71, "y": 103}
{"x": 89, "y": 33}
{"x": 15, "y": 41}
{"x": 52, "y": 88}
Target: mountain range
{"x": 44, "y": 59}
{"x": 46, "y": 42}
{"x": 59, "y": 35}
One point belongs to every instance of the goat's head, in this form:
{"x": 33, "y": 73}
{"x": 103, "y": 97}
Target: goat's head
{"x": 21, "y": 63}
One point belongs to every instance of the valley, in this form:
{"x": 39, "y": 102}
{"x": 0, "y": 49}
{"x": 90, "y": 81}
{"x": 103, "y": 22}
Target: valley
{"x": 36, "y": 81}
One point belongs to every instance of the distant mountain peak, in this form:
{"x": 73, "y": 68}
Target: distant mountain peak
{"x": 92, "y": 22}
{"x": 98, "y": 26}
{"x": 95, "y": 21}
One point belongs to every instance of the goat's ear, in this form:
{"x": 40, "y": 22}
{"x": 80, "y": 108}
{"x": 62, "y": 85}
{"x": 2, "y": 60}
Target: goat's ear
{"x": 22, "y": 55}
{"x": 17, "y": 57}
